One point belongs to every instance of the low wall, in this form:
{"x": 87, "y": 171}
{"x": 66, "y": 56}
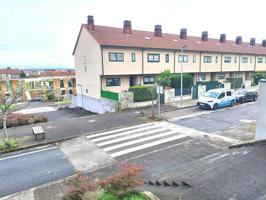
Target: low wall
{"x": 141, "y": 104}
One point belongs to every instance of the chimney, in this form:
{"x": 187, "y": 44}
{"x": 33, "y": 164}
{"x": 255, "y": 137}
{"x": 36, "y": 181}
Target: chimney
{"x": 239, "y": 40}
{"x": 158, "y": 31}
{"x": 223, "y": 38}
{"x": 252, "y": 42}
{"x": 263, "y": 43}
{"x": 90, "y": 23}
{"x": 183, "y": 34}
{"x": 127, "y": 27}
{"x": 204, "y": 36}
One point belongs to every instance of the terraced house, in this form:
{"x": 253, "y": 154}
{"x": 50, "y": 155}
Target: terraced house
{"x": 112, "y": 59}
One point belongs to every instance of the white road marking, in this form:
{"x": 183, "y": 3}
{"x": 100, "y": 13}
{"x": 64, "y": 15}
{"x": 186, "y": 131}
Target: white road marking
{"x": 91, "y": 121}
{"x": 139, "y": 140}
{"x": 131, "y": 136}
{"x": 28, "y": 153}
{"x": 144, "y": 146}
{"x": 247, "y": 120}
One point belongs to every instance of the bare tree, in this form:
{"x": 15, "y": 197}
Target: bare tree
{"x": 7, "y": 101}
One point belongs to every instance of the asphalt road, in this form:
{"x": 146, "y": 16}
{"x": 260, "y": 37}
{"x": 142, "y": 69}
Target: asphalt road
{"x": 31, "y": 168}
{"x": 220, "y": 120}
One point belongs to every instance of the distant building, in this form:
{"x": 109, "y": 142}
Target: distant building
{"x": 7, "y": 74}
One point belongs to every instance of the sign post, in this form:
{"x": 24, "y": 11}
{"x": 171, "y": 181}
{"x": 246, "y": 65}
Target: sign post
{"x": 159, "y": 92}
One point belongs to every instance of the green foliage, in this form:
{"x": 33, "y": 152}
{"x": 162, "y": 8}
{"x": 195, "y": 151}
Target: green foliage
{"x": 8, "y": 143}
{"x": 108, "y": 196}
{"x": 22, "y": 74}
{"x": 135, "y": 196}
{"x": 164, "y": 78}
{"x": 144, "y": 93}
{"x": 176, "y": 81}
{"x": 235, "y": 82}
{"x": 258, "y": 76}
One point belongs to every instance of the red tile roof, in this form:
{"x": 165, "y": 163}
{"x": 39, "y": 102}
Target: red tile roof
{"x": 57, "y": 73}
{"x": 10, "y": 71}
{"x": 143, "y": 39}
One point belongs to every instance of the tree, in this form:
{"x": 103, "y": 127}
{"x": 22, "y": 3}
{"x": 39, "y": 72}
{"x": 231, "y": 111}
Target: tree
{"x": 22, "y": 74}
{"x": 7, "y": 101}
{"x": 258, "y": 76}
{"x": 187, "y": 80}
{"x": 164, "y": 78}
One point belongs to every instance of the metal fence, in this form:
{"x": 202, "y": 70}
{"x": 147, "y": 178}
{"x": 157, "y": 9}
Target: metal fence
{"x": 186, "y": 91}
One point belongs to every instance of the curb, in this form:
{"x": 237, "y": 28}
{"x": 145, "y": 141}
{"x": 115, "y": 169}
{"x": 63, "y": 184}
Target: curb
{"x": 249, "y": 143}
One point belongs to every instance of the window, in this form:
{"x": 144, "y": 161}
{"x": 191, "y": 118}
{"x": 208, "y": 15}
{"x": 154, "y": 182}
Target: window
{"x": 63, "y": 92}
{"x": 221, "y": 76}
{"x": 244, "y": 59}
{"x": 202, "y": 77}
{"x": 207, "y": 59}
{"x": 260, "y": 60}
{"x": 149, "y": 80}
{"x": 133, "y": 57}
{"x": 70, "y": 84}
{"x": 216, "y": 59}
{"x": 167, "y": 58}
{"x": 235, "y": 59}
{"x": 227, "y": 59}
{"x": 194, "y": 59}
{"x": 222, "y": 95}
{"x": 229, "y": 93}
{"x": 70, "y": 92}
{"x": 251, "y": 60}
{"x": 112, "y": 82}
{"x": 87, "y": 91}
{"x": 238, "y": 75}
{"x": 185, "y": 58}
{"x": 116, "y": 57}
{"x": 62, "y": 84}
{"x": 153, "y": 57}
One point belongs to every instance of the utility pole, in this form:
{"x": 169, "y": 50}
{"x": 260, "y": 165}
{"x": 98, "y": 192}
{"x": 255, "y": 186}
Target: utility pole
{"x": 181, "y": 81}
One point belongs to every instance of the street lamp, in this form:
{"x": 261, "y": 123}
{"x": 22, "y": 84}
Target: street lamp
{"x": 81, "y": 94}
{"x": 181, "y": 81}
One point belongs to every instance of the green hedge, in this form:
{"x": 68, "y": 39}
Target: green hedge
{"x": 235, "y": 82}
{"x": 258, "y": 76}
{"x": 176, "y": 80}
{"x": 144, "y": 93}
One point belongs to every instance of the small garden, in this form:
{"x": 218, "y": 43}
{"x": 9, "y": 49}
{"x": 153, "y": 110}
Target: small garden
{"x": 120, "y": 185}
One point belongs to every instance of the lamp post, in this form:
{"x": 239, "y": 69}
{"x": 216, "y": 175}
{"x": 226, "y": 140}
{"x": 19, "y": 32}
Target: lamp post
{"x": 81, "y": 94}
{"x": 181, "y": 81}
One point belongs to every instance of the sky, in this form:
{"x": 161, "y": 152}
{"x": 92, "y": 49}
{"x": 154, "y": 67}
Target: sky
{"x": 43, "y": 33}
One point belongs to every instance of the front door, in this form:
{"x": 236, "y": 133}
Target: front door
{"x": 131, "y": 80}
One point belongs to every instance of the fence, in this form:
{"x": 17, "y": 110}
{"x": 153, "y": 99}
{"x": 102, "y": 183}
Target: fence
{"x": 186, "y": 91}
{"x": 110, "y": 95}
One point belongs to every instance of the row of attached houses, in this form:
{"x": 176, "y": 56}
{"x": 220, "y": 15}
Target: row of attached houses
{"x": 113, "y": 59}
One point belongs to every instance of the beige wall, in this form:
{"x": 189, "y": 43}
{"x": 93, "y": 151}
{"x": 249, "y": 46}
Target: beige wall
{"x": 88, "y": 65}
{"x": 261, "y": 66}
{"x": 213, "y": 66}
{"x": 190, "y": 66}
{"x": 230, "y": 67}
{"x": 124, "y": 84}
{"x": 121, "y": 68}
{"x": 249, "y": 66}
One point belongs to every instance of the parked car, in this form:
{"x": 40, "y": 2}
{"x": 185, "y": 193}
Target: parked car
{"x": 217, "y": 98}
{"x": 243, "y": 95}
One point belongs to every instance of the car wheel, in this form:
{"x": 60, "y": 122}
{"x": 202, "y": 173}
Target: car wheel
{"x": 255, "y": 98}
{"x": 215, "y": 106}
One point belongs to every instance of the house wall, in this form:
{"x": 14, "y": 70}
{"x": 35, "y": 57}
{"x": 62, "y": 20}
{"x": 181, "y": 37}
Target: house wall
{"x": 124, "y": 84}
{"x": 210, "y": 67}
{"x": 88, "y": 65}
{"x": 261, "y": 66}
{"x": 230, "y": 67}
{"x": 250, "y": 65}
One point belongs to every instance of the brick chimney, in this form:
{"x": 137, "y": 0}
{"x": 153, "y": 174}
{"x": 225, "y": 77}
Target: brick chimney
{"x": 127, "y": 27}
{"x": 158, "y": 31}
{"x": 204, "y": 36}
{"x": 183, "y": 34}
{"x": 252, "y": 42}
{"x": 90, "y": 23}
{"x": 263, "y": 43}
{"x": 223, "y": 38}
{"x": 238, "y": 40}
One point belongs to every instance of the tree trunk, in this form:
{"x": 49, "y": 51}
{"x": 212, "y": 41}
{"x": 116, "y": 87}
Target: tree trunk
{"x": 152, "y": 108}
{"x": 4, "y": 125}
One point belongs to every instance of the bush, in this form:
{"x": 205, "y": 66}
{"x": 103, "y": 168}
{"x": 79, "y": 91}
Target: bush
{"x": 9, "y": 143}
{"x": 15, "y": 119}
{"x": 163, "y": 79}
{"x": 258, "y": 76}
{"x": 235, "y": 82}
{"x": 144, "y": 93}
{"x": 187, "y": 81}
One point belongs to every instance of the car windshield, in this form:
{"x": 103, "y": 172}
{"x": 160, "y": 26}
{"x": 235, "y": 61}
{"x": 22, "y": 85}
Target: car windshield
{"x": 240, "y": 92}
{"x": 211, "y": 94}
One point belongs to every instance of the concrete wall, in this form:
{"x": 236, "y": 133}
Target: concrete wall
{"x": 88, "y": 65}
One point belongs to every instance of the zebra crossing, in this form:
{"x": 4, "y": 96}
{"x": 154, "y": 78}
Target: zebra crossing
{"x": 132, "y": 139}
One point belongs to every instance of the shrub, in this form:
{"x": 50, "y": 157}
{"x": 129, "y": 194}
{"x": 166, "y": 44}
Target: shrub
{"x": 164, "y": 79}
{"x": 176, "y": 81}
{"x": 15, "y": 119}
{"x": 258, "y": 76}
{"x": 124, "y": 181}
{"x": 144, "y": 93}
{"x": 9, "y": 143}
{"x": 235, "y": 82}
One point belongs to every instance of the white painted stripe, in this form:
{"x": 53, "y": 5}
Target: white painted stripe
{"x": 139, "y": 140}
{"x": 124, "y": 133}
{"x": 131, "y": 136}
{"x": 28, "y": 153}
{"x": 118, "y": 130}
{"x": 120, "y": 153}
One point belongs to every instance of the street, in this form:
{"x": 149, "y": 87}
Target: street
{"x": 158, "y": 146}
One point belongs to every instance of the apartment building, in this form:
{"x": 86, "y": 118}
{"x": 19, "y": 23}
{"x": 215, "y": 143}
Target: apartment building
{"x": 6, "y": 74}
{"x": 113, "y": 59}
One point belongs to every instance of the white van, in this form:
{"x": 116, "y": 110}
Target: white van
{"x": 217, "y": 98}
